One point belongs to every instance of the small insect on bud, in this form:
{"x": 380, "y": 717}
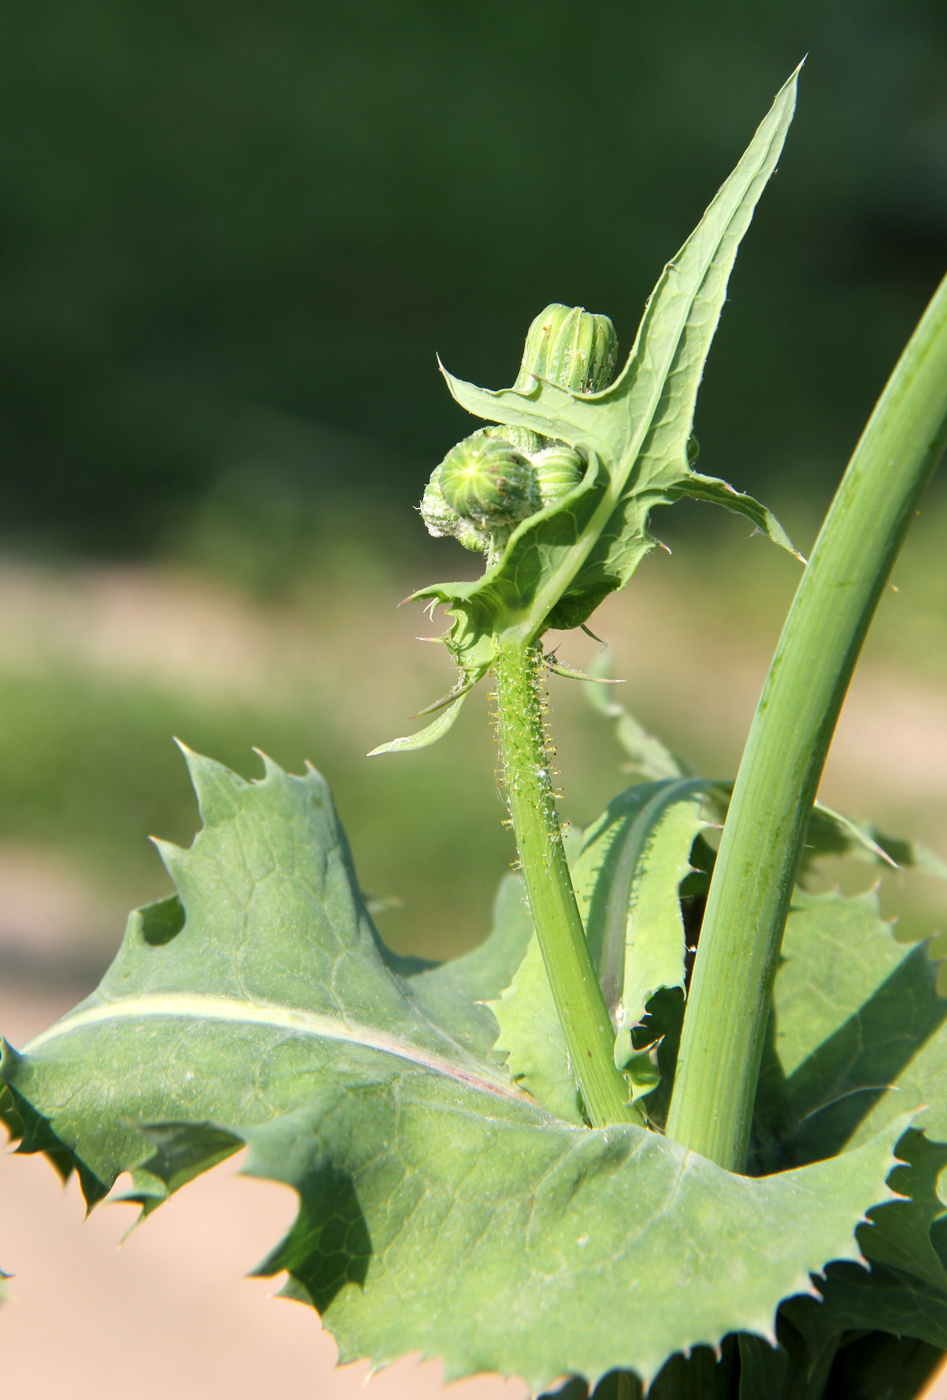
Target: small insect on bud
{"x": 572, "y": 347}
{"x": 558, "y": 469}
{"x": 485, "y": 480}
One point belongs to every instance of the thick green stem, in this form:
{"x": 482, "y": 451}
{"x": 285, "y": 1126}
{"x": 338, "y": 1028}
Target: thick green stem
{"x": 572, "y": 978}
{"x": 729, "y": 997}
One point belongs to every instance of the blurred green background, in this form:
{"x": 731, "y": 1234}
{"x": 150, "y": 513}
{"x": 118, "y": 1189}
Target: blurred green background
{"x": 232, "y": 238}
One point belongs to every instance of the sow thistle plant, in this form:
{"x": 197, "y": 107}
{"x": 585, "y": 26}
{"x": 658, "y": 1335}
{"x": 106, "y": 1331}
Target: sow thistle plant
{"x": 568, "y": 1155}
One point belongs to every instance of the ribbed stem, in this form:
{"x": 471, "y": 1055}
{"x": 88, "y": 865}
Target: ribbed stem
{"x": 572, "y": 978}
{"x": 729, "y": 998}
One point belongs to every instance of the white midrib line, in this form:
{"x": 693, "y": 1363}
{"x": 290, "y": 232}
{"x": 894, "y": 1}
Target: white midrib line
{"x": 262, "y": 1013}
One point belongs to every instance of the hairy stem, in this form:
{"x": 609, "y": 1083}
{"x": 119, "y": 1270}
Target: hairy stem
{"x": 572, "y": 977}
{"x": 729, "y": 998}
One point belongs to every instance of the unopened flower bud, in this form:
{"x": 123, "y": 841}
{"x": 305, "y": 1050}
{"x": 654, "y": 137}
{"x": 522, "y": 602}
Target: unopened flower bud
{"x": 558, "y": 469}
{"x": 523, "y": 439}
{"x": 486, "y": 481}
{"x": 572, "y": 347}
{"x": 441, "y": 520}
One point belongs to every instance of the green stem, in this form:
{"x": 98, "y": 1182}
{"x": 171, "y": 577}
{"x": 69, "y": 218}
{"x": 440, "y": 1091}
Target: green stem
{"x": 728, "y": 1002}
{"x": 699, "y": 1377}
{"x": 572, "y": 977}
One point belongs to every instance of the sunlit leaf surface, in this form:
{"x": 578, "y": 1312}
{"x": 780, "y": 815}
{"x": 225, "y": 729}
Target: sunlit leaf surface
{"x": 440, "y": 1208}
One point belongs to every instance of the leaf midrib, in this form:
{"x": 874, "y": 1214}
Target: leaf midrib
{"x": 201, "y": 1006}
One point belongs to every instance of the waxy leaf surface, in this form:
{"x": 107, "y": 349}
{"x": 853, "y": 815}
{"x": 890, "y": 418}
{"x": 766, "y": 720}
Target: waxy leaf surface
{"x": 440, "y": 1209}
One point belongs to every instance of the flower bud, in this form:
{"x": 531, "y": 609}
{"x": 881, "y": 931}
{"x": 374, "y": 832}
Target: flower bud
{"x": 486, "y": 481}
{"x": 523, "y": 439}
{"x": 571, "y": 347}
{"x": 441, "y": 520}
{"x": 558, "y": 469}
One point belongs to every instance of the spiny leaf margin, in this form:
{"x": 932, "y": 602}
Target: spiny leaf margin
{"x": 439, "y": 1210}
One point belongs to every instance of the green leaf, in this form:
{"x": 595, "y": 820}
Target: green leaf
{"x": 424, "y": 737}
{"x": 627, "y": 881}
{"x": 440, "y": 1209}
{"x": 626, "y": 872}
{"x": 509, "y": 1262}
{"x": 856, "y": 1036}
{"x": 459, "y": 993}
{"x": 832, "y": 834}
{"x": 855, "y": 1015}
{"x": 763, "y": 1369}
{"x": 884, "y": 1300}
{"x": 900, "y": 1233}
{"x": 560, "y": 563}
{"x": 533, "y": 1041}
{"x": 906, "y": 854}
{"x": 647, "y": 756}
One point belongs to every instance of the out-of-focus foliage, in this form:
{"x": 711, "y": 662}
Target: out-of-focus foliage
{"x": 220, "y": 223}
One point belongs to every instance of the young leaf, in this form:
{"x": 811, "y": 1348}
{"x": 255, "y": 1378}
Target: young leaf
{"x": 831, "y": 833}
{"x": 647, "y": 756}
{"x": 560, "y": 563}
{"x": 439, "y": 1209}
{"x": 424, "y": 737}
{"x": 627, "y": 873}
{"x": 627, "y": 882}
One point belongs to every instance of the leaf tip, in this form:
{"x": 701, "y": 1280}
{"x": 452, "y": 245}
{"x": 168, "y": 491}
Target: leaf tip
{"x": 170, "y": 855}
{"x": 9, "y": 1057}
{"x": 271, "y": 768}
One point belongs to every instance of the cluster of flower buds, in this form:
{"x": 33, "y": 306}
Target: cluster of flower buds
{"x": 500, "y": 476}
